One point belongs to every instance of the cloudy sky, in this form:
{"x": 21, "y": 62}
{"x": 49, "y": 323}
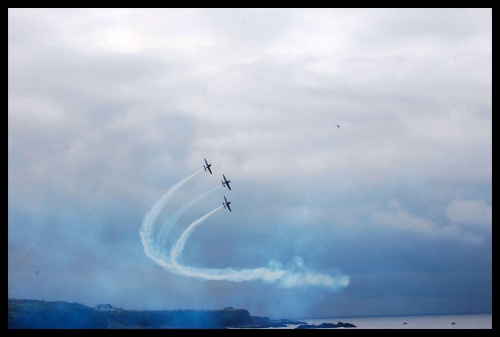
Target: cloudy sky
{"x": 109, "y": 109}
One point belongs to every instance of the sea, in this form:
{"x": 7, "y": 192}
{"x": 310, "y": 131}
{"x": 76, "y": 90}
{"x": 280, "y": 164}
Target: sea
{"x": 474, "y": 321}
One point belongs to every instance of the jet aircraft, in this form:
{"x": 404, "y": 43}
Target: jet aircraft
{"x": 338, "y": 126}
{"x": 226, "y": 204}
{"x": 226, "y": 182}
{"x": 207, "y": 166}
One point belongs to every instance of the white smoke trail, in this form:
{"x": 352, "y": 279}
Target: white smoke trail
{"x": 168, "y": 224}
{"x": 295, "y": 276}
{"x": 147, "y": 230}
{"x": 176, "y": 250}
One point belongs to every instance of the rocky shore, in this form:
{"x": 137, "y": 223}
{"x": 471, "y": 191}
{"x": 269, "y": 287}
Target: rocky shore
{"x": 326, "y": 326}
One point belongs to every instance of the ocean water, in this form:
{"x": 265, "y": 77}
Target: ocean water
{"x": 476, "y": 321}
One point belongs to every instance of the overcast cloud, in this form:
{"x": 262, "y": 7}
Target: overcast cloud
{"x": 110, "y": 108}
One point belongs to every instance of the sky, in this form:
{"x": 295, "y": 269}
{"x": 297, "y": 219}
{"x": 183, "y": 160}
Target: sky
{"x": 111, "y": 113}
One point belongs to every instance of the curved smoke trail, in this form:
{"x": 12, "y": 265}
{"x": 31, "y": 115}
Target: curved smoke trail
{"x": 176, "y": 250}
{"x": 168, "y": 224}
{"x": 294, "y": 276}
{"x": 147, "y": 230}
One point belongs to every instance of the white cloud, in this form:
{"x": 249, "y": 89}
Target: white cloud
{"x": 401, "y": 219}
{"x": 473, "y": 213}
{"x": 404, "y": 221}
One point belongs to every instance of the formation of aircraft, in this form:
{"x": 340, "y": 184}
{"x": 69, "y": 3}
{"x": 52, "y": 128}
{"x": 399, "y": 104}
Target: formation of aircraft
{"x": 226, "y": 182}
{"x": 226, "y": 204}
{"x": 338, "y": 126}
{"x": 207, "y": 166}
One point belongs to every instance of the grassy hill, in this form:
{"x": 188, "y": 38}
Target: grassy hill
{"x": 39, "y": 314}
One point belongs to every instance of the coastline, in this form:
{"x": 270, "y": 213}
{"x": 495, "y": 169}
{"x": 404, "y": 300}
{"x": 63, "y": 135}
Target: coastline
{"x": 39, "y": 314}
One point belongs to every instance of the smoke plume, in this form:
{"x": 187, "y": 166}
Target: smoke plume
{"x": 294, "y": 275}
